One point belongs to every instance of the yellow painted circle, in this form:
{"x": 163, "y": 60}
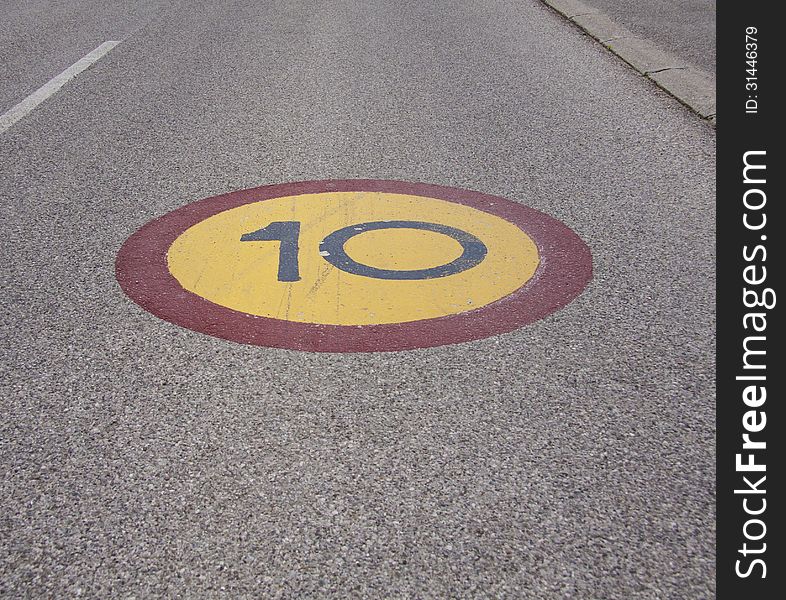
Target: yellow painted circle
{"x": 210, "y": 260}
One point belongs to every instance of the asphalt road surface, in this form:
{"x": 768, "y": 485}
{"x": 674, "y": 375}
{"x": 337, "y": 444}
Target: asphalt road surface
{"x": 684, "y": 27}
{"x": 571, "y": 458}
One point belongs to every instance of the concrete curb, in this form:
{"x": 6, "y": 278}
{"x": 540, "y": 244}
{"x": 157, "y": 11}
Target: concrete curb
{"x": 693, "y": 87}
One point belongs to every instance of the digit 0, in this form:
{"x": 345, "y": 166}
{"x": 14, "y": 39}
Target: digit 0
{"x": 332, "y": 248}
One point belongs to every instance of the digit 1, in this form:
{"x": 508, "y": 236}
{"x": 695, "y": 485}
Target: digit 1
{"x": 286, "y": 232}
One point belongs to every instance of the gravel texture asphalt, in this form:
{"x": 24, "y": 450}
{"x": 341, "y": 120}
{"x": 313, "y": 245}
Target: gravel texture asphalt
{"x": 572, "y": 458}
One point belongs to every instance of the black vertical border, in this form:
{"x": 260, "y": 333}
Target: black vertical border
{"x": 737, "y": 133}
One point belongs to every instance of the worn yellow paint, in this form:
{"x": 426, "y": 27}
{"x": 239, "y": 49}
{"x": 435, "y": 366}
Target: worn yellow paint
{"x": 209, "y": 260}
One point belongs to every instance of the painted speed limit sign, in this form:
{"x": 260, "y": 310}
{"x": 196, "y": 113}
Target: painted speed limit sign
{"x": 353, "y": 266}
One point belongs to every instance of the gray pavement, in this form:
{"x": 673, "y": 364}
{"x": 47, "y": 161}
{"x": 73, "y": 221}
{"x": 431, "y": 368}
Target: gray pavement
{"x": 573, "y": 458}
{"x": 684, "y": 27}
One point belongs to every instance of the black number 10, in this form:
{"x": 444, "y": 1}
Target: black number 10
{"x": 332, "y": 249}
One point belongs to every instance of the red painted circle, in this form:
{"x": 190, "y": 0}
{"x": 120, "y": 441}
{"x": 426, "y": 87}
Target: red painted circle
{"x": 565, "y": 269}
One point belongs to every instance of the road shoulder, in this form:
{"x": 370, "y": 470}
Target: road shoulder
{"x": 693, "y": 87}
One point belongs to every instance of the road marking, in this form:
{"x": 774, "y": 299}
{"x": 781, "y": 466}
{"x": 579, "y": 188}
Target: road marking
{"x": 51, "y": 87}
{"x": 353, "y": 266}
{"x": 415, "y": 258}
